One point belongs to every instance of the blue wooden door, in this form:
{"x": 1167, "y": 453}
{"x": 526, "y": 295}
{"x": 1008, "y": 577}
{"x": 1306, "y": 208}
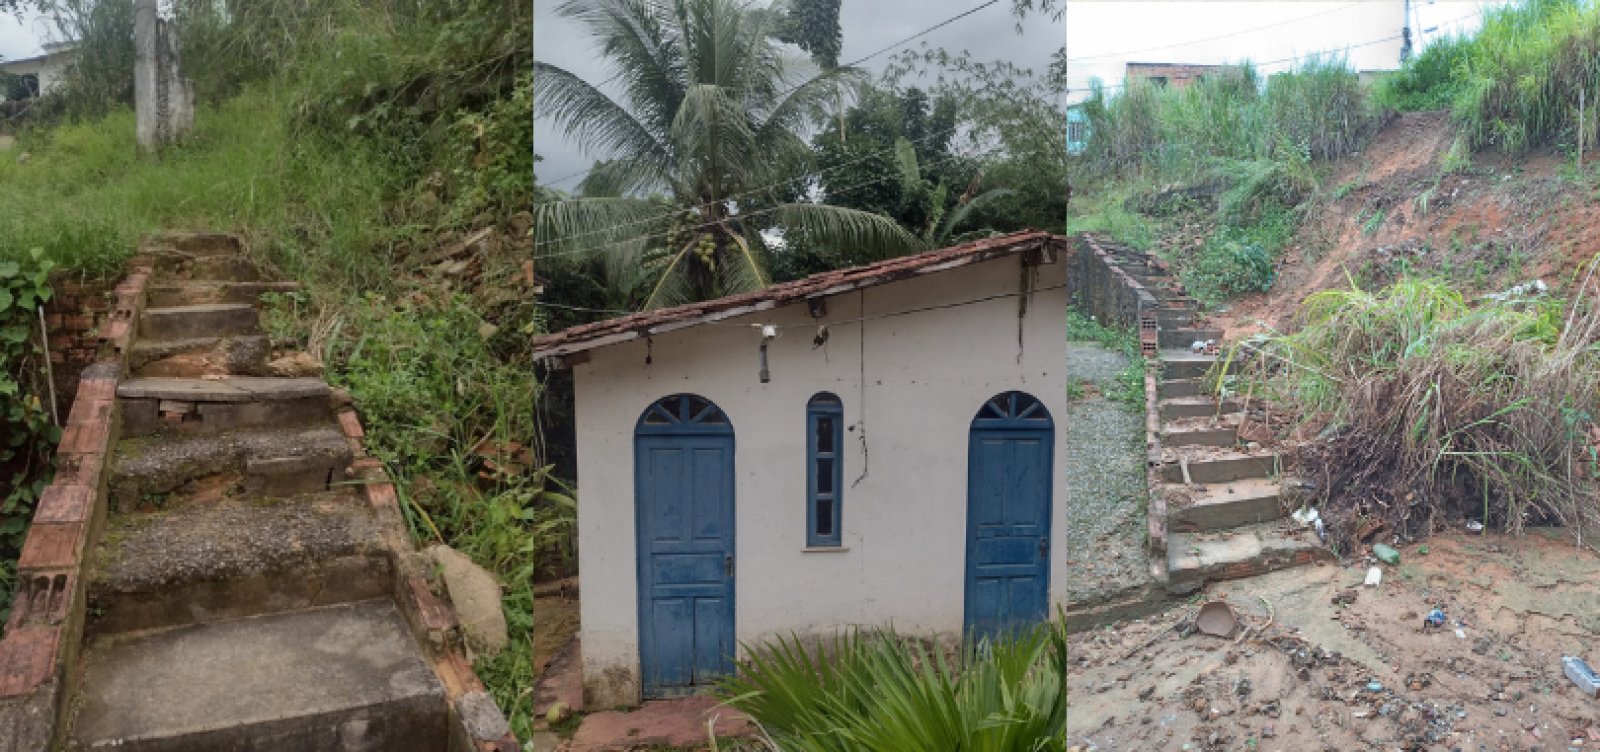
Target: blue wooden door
{"x": 683, "y": 470}
{"x": 1010, "y": 451}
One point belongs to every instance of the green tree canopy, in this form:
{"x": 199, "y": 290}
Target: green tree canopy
{"x": 710, "y": 119}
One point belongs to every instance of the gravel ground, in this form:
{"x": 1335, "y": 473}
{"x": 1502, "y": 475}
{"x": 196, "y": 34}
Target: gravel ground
{"x": 1106, "y": 489}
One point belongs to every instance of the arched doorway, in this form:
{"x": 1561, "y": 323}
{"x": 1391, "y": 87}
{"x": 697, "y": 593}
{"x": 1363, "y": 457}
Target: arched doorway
{"x": 683, "y": 481}
{"x": 1010, "y": 451}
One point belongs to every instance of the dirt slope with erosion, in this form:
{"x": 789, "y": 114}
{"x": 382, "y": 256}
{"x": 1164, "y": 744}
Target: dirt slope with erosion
{"x": 1499, "y": 222}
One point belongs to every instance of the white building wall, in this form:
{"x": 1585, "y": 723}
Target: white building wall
{"x": 904, "y": 495}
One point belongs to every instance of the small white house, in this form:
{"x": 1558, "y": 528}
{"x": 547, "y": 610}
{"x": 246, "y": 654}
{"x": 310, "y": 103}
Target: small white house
{"x": 43, "y": 72}
{"x": 866, "y": 447}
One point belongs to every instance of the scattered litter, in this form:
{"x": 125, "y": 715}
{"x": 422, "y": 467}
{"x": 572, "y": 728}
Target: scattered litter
{"x": 1474, "y": 526}
{"x": 1435, "y": 619}
{"x": 1322, "y": 531}
{"x": 1423, "y": 550}
{"x": 1536, "y": 287}
{"x": 1217, "y": 619}
{"x": 1306, "y": 516}
{"x": 1374, "y": 576}
{"x": 1579, "y": 672}
{"x": 1374, "y": 686}
{"x": 1461, "y": 634}
{"x": 1386, "y": 554}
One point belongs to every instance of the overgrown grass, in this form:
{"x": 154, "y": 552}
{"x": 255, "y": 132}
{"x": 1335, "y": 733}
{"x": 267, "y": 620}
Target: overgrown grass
{"x": 1439, "y": 408}
{"x": 1317, "y": 111}
{"x": 1515, "y": 84}
{"x": 1128, "y": 386}
{"x": 347, "y": 140}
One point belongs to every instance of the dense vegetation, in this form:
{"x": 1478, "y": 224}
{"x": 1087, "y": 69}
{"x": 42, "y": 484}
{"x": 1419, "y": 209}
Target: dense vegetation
{"x": 1232, "y": 152}
{"x": 1516, "y": 83}
{"x": 1438, "y": 409}
{"x": 352, "y": 141}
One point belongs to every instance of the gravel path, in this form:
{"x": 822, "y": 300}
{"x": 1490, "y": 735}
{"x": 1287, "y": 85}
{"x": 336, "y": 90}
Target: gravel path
{"x": 1106, "y": 489}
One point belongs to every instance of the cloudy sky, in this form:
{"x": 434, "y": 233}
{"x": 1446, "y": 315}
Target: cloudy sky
{"x": 21, "y": 38}
{"x": 989, "y": 34}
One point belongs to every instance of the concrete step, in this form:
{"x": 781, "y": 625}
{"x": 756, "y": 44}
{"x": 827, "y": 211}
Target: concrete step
{"x": 1219, "y": 506}
{"x": 204, "y": 292}
{"x": 1178, "y": 408}
{"x": 1193, "y": 559}
{"x": 1182, "y": 364}
{"x": 1211, "y": 465}
{"x": 332, "y": 679}
{"x": 202, "y": 356}
{"x": 188, "y": 406}
{"x": 256, "y": 463}
{"x": 1175, "y": 388}
{"x": 1205, "y": 431}
{"x": 195, "y": 321}
{"x": 212, "y": 559}
{"x": 1183, "y": 337}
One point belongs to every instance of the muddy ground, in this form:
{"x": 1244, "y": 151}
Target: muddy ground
{"x": 1342, "y": 666}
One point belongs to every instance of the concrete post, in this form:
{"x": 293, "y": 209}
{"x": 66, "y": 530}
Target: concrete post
{"x": 163, "y": 98}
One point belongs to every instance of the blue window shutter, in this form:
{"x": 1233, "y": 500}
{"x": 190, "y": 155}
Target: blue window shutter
{"x": 824, "y": 470}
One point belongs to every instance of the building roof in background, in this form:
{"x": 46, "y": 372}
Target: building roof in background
{"x": 644, "y": 323}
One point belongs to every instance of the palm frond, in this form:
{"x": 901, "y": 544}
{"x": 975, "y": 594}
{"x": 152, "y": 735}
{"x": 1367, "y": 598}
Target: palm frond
{"x": 589, "y": 117}
{"x": 849, "y": 232}
{"x": 595, "y": 223}
{"x": 955, "y": 218}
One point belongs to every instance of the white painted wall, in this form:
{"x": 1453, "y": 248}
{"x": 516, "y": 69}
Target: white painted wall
{"x": 904, "y": 523}
{"x": 50, "y": 69}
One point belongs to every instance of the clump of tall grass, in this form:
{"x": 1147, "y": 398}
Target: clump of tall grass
{"x": 1516, "y": 83}
{"x": 863, "y": 692}
{"x": 1319, "y": 111}
{"x": 1439, "y": 409}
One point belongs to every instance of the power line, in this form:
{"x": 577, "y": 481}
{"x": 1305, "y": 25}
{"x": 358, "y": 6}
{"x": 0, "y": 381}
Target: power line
{"x": 851, "y": 64}
{"x": 1214, "y": 38}
{"x": 754, "y": 191}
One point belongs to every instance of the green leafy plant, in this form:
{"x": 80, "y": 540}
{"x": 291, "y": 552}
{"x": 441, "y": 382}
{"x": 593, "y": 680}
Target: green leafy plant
{"x": 27, "y": 429}
{"x": 868, "y": 691}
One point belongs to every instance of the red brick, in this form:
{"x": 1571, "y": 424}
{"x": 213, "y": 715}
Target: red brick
{"x": 87, "y": 411}
{"x": 52, "y": 545}
{"x": 97, "y": 389}
{"x": 61, "y": 502}
{"x": 89, "y": 438}
{"x": 116, "y": 331}
{"x": 434, "y": 614}
{"x": 457, "y": 664}
{"x": 57, "y": 356}
{"x": 382, "y": 496}
{"x": 43, "y": 597}
{"x": 79, "y": 469}
{"x": 53, "y": 320}
{"x": 27, "y": 659}
{"x": 351, "y": 423}
{"x": 78, "y": 322}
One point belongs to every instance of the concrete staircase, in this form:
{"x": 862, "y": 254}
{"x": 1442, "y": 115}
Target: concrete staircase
{"x": 1216, "y": 508}
{"x": 244, "y": 597}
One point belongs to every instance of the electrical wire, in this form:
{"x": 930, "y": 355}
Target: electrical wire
{"x": 1214, "y": 38}
{"x": 741, "y": 215}
{"x": 752, "y": 192}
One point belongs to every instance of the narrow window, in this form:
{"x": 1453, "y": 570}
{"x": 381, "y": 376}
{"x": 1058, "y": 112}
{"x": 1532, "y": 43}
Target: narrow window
{"x": 825, "y": 473}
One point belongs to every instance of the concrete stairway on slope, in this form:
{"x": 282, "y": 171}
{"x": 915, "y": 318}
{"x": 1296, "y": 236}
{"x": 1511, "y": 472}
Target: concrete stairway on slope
{"x": 243, "y": 597}
{"x": 1224, "y": 516}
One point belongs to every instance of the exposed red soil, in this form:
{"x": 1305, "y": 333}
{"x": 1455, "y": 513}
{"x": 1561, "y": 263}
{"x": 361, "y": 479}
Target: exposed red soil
{"x": 1500, "y": 222}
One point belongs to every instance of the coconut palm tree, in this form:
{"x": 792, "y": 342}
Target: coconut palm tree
{"x": 694, "y": 152}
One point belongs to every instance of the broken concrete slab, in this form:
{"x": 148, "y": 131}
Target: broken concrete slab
{"x": 337, "y": 678}
{"x": 475, "y": 593}
{"x": 203, "y": 356}
{"x": 1196, "y": 558}
{"x": 154, "y": 467}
